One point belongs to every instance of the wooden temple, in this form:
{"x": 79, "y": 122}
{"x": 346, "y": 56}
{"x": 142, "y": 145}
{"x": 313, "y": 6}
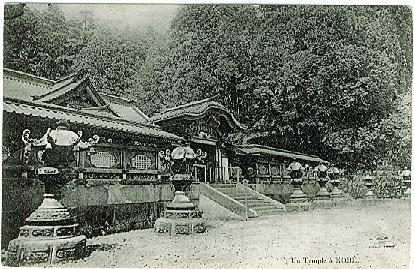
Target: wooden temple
{"x": 210, "y": 126}
{"x": 124, "y": 169}
{"x": 123, "y": 175}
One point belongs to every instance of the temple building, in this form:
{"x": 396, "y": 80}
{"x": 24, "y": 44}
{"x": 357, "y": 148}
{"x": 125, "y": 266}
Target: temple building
{"x": 210, "y": 126}
{"x": 123, "y": 178}
{"x": 123, "y": 169}
{"x": 206, "y": 124}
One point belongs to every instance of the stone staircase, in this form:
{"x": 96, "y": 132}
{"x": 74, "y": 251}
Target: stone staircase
{"x": 256, "y": 203}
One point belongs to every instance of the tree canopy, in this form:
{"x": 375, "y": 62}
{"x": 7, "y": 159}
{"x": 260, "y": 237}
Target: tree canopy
{"x": 300, "y": 75}
{"x": 328, "y": 80}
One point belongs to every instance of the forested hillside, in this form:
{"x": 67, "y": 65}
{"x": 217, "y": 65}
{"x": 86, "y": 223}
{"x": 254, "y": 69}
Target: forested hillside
{"x": 328, "y": 80}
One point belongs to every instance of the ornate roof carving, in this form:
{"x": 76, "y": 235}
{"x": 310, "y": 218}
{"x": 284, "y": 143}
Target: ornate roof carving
{"x": 254, "y": 149}
{"x": 72, "y": 115}
{"x": 198, "y": 109}
{"x": 74, "y": 91}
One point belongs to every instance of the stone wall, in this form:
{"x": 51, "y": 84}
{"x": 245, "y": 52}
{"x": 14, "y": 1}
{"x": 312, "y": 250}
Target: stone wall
{"x": 281, "y": 191}
{"x": 101, "y": 209}
{"x": 18, "y": 201}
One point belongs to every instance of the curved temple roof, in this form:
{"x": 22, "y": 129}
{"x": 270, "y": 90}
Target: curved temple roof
{"x": 23, "y": 86}
{"x": 72, "y": 115}
{"x": 259, "y": 149}
{"x": 195, "y": 110}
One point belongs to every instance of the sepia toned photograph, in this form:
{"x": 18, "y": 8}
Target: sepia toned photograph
{"x": 206, "y": 135}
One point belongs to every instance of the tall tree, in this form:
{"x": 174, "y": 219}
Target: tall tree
{"x": 114, "y": 59}
{"x": 40, "y": 42}
{"x": 296, "y": 74}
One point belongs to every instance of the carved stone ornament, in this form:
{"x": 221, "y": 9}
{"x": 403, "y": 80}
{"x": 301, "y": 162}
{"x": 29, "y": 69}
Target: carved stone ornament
{"x": 181, "y": 215}
{"x": 49, "y": 236}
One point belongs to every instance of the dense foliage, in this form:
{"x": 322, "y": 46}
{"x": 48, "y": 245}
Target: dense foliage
{"x": 328, "y": 80}
{"x": 44, "y": 43}
{"x": 323, "y": 80}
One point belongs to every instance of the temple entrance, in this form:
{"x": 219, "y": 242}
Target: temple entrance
{"x": 225, "y": 169}
{"x": 205, "y": 171}
{"x": 200, "y": 172}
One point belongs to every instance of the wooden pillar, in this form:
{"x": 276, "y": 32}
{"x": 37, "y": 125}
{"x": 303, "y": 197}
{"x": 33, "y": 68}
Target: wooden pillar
{"x": 124, "y": 162}
{"x": 218, "y": 165}
{"x": 81, "y": 163}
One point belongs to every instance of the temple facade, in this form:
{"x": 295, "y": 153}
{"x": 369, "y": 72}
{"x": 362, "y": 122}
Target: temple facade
{"x": 210, "y": 126}
{"x": 124, "y": 174}
{"x": 206, "y": 124}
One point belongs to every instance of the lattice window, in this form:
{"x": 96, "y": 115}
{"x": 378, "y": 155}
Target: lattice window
{"x": 103, "y": 159}
{"x": 263, "y": 170}
{"x": 276, "y": 170}
{"x": 141, "y": 162}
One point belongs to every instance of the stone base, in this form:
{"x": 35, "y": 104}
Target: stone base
{"x": 22, "y": 251}
{"x": 49, "y": 236}
{"x": 337, "y": 193}
{"x": 323, "y": 203}
{"x": 370, "y": 195}
{"x": 322, "y": 197}
{"x": 298, "y": 196}
{"x": 340, "y": 201}
{"x": 303, "y": 206}
{"x": 180, "y": 226}
{"x": 407, "y": 193}
{"x": 323, "y": 194}
{"x": 330, "y": 202}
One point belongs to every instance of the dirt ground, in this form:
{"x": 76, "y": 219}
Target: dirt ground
{"x": 359, "y": 235}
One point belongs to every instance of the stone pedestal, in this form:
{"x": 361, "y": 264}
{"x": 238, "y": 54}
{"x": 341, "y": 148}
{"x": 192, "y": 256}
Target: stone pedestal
{"x": 49, "y": 236}
{"x": 407, "y": 184}
{"x": 369, "y": 184}
{"x": 181, "y": 215}
{"x": 298, "y": 200}
{"x": 336, "y": 192}
{"x": 323, "y": 197}
{"x": 298, "y": 195}
{"x": 323, "y": 193}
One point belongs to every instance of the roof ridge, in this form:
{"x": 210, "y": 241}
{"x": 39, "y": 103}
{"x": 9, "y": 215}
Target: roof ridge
{"x": 161, "y": 116}
{"x": 65, "y": 78}
{"x": 284, "y": 150}
{"x": 22, "y": 75}
{"x": 117, "y": 97}
{"x": 61, "y": 87}
{"x": 191, "y": 103}
{"x": 79, "y": 112}
{"x": 139, "y": 111}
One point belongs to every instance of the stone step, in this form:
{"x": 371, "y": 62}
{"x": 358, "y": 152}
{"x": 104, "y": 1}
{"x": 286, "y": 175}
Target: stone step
{"x": 235, "y": 193}
{"x": 249, "y": 198}
{"x": 223, "y": 186}
{"x": 255, "y": 203}
{"x": 230, "y": 190}
{"x": 263, "y": 207}
{"x": 274, "y": 211}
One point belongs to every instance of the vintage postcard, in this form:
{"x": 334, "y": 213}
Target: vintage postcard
{"x": 206, "y": 136}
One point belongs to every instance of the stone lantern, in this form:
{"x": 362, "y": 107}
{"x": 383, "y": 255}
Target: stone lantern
{"x": 334, "y": 172}
{"x": 369, "y": 183}
{"x": 295, "y": 173}
{"x": 406, "y": 175}
{"x": 181, "y": 215}
{"x": 321, "y": 169}
{"x": 51, "y": 233}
